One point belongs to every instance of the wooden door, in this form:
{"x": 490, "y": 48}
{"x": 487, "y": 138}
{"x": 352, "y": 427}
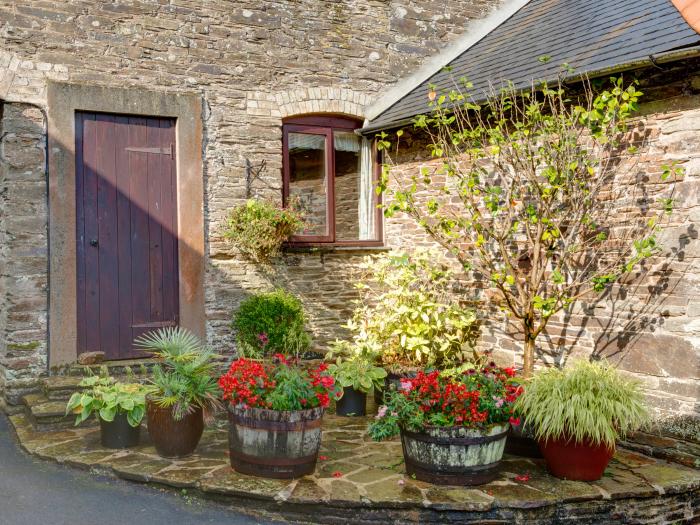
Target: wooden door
{"x": 126, "y": 230}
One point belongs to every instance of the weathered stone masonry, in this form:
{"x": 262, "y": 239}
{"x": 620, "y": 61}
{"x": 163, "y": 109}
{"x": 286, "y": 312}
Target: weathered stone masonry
{"x": 253, "y": 63}
{"x": 650, "y": 326}
{"x": 23, "y": 250}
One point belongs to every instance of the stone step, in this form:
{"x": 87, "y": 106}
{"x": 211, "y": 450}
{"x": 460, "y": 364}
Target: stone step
{"x": 45, "y": 414}
{"x": 60, "y": 388}
{"x": 114, "y": 368}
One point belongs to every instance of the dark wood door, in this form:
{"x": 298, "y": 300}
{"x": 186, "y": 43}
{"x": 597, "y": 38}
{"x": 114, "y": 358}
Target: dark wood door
{"x": 126, "y": 230}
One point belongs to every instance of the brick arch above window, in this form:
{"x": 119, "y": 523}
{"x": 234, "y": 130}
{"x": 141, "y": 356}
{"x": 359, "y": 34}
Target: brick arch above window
{"x": 302, "y": 101}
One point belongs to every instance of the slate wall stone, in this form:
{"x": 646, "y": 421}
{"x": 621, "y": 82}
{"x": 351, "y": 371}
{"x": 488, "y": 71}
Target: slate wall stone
{"x": 650, "y": 327}
{"x": 23, "y": 250}
{"x": 257, "y": 62}
{"x": 253, "y": 63}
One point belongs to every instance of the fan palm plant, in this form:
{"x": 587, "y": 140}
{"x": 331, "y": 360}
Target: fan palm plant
{"x": 184, "y": 381}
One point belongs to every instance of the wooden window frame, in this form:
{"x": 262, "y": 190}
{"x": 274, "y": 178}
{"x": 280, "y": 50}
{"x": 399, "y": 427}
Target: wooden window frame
{"x": 325, "y": 125}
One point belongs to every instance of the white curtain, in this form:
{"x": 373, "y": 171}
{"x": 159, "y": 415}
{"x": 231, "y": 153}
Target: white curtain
{"x": 366, "y": 204}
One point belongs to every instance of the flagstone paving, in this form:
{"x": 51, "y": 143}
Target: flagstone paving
{"x": 360, "y": 481}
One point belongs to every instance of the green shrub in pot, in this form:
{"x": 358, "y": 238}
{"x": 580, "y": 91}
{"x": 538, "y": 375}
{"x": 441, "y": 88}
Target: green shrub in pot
{"x": 120, "y": 407}
{"x": 578, "y": 413}
{"x": 184, "y": 390}
{"x": 271, "y": 322}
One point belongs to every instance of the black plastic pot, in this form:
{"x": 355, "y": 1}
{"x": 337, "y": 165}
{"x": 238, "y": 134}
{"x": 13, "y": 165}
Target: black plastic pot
{"x": 119, "y": 433}
{"x": 353, "y": 403}
{"x": 390, "y": 379}
{"x": 521, "y": 442}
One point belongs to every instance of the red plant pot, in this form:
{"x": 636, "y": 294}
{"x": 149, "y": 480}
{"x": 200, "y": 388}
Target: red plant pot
{"x": 567, "y": 459}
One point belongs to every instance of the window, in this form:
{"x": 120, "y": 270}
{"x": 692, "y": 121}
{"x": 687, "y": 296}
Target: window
{"x": 329, "y": 172}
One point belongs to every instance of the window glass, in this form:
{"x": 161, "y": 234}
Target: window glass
{"x": 308, "y": 181}
{"x": 347, "y": 185}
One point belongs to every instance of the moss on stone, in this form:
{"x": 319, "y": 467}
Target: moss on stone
{"x": 24, "y": 346}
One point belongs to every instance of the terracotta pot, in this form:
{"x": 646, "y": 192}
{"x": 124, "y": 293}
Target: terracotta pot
{"x": 567, "y": 459}
{"x": 454, "y": 455}
{"x": 274, "y": 443}
{"x": 174, "y": 439}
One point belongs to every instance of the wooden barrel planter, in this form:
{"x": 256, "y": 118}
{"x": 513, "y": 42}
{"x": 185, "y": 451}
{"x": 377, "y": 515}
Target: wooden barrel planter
{"x": 454, "y": 455}
{"x": 273, "y": 443}
{"x": 174, "y": 438}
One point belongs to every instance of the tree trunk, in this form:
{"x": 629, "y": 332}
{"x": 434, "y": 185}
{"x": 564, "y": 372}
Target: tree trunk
{"x": 528, "y": 355}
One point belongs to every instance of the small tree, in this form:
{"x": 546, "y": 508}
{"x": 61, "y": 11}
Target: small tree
{"x": 534, "y": 192}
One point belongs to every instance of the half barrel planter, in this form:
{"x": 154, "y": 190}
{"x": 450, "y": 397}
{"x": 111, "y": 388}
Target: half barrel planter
{"x": 454, "y": 455}
{"x": 274, "y": 443}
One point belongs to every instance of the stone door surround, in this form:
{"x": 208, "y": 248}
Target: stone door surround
{"x": 63, "y": 101}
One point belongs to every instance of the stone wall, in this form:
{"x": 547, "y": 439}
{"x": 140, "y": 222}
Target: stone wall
{"x": 650, "y": 326}
{"x": 253, "y": 63}
{"x": 23, "y": 250}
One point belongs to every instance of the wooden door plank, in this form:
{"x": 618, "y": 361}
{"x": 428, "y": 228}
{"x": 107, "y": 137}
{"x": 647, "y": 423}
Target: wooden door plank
{"x": 155, "y": 221}
{"x": 108, "y": 237}
{"x": 80, "y": 233}
{"x": 121, "y": 141}
{"x": 92, "y": 262}
{"x": 169, "y": 224}
{"x": 138, "y": 170}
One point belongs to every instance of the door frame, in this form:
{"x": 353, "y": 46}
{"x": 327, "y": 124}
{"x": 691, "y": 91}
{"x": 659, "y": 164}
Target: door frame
{"x": 64, "y": 100}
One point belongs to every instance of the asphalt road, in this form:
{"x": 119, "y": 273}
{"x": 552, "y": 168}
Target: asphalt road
{"x": 35, "y": 492}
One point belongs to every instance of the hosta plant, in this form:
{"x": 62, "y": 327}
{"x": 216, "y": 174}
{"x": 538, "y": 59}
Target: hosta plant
{"x": 259, "y": 228}
{"x": 184, "y": 381}
{"x": 106, "y": 398}
{"x": 358, "y": 374}
{"x": 475, "y": 399}
{"x": 587, "y": 402}
{"x": 407, "y": 316}
{"x": 278, "y": 384}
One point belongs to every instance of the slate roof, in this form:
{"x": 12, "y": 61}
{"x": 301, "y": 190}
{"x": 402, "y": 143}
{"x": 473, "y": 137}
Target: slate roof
{"x": 589, "y": 35}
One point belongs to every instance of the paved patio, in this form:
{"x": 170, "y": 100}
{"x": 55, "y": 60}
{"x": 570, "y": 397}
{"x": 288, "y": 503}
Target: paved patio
{"x": 359, "y": 481}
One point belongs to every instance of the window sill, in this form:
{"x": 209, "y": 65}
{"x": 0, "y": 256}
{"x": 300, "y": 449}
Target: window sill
{"x": 333, "y": 248}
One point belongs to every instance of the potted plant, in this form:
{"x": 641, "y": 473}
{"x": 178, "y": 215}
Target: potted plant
{"x": 577, "y": 415}
{"x": 356, "y": 376}
{"x": 259, "y": 228}
{"x": 118, "y": 406}
{"x": 184, "y": 390}
{"x": 453, "y": 427}
{"x": 408, "y": 317}
{"x": 271, "y": 322}
{"x": 275, "y": 409}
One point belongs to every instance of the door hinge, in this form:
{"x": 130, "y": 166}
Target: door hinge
{"x": 163, "y": 151}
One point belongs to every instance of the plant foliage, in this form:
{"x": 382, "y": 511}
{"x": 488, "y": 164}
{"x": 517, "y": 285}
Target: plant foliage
{"x": 589, "y": 401}
{"x": 279, "y": 384}
{"x": 106, "y": 398}
{"x": 407, "y": 315}
{"x": 184, "y": 381}
{"x": 535, "y": 191}
{"x": 271, "y": 322}
{"x": 477, "y": 398}
{"x": 357, "y": 373}
{"x": 259, "y": 228}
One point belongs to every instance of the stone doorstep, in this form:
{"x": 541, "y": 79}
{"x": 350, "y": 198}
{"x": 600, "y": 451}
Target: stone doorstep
{"x": 359, "y": 481}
